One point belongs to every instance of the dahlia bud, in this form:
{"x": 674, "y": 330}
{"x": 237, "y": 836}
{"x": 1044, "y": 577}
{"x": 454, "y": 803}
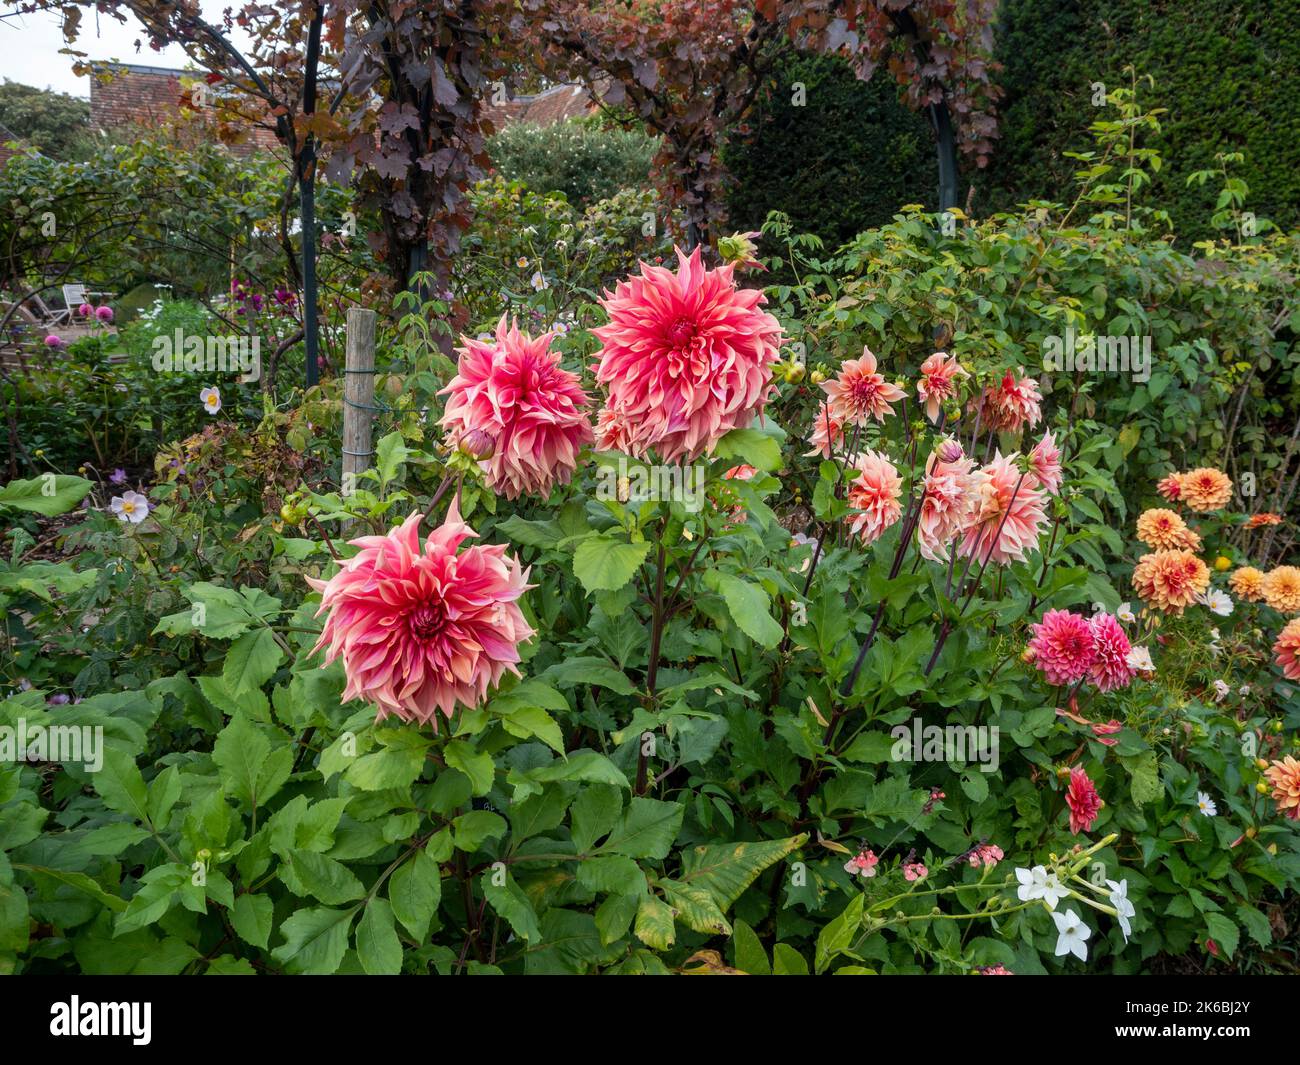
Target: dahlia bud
{"x": 950, "y": 451}
{"x": 739, "y": 248}
{"x": 478, "y": 443}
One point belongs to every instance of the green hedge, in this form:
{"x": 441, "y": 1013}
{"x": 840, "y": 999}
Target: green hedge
{"x": 1226, "y": 70}
{"x": 585, "y": 161}
{"x": 843, "y": 162}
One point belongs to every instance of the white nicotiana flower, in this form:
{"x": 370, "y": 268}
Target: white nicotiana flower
{"x": 1221, "y": 690}
{"x": 1139, "y": 658}
{"x": 211, "y": 399}
{"x": 1123, "y": 908}
{"x": 1206, "y": 805}
{"x": 1219, "y": 601}
{"x": 1038, "y": 883}
{"x": 130, "y": 507}
{"x": 1125, "y": 613}
{"x": 1072, "y": 934}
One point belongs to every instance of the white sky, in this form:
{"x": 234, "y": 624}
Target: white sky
{"x": 29, "y": 47}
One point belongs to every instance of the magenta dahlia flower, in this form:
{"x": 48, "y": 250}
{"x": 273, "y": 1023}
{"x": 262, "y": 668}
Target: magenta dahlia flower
{"x": 1082, "y": 799}
{"x": 1110, "y": 668}
{"x": 513, "y": 389}
{"x": 686, "y": 357}
{"x": 1063, "y": 647}
{"x": 424, "y": 628}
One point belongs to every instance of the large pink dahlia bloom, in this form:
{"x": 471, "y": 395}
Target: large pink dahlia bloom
{"x": 938, "y": 382}
{"x": 859, "y": 391}
{"x": 513, "y": 389}
{"x": 948, "y": 505}
{"x": 1011, "y": 404}
{"x": 1008, "y": 516}
{"x": 422, "y": 629}
{"x": 1063, "y": 647}
{"x": 874, "y": 496}
{"x": 1110, "y": 668}
{"x": 686, "y": 357}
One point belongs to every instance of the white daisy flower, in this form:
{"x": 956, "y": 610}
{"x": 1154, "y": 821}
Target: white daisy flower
{"x": 1206, "y": 805}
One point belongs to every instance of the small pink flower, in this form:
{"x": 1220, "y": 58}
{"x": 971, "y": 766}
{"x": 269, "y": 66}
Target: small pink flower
{"x": 423, "y": 628}
{"x": 53, "y": 341}
{"x": 686, "y": 357}
{"x": 864, "y": 864}
{"x": 994, "y": 970}
{"x": 85, "y": 310}
{"x": 1063, "y": 646}
{"x": 1082, "y": 799}
{"x": 613, "y": 433}
{"x": 914, "y": 871}
{"x": 1110, "y": 668}
{"x": 514, "y": 390}
{"x": 827, "y": 434}
{"x": 1045, "y": 461}
{"x": 1011, "y": 404}
{"x": 874, "y": 497}
{"x": 938, "y": 382}
{"x": 859, "y": 392}
{"x": 950, "y": 451}
{"x": 987, "y": 854}
{"x": 104, "y": 314}
{"x": 741, "y": 473}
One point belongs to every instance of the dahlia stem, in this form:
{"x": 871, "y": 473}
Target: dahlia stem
{"x": 652, "y": 668}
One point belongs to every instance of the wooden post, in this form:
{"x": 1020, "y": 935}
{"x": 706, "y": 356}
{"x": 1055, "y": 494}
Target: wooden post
{"x": 358, "y": 395}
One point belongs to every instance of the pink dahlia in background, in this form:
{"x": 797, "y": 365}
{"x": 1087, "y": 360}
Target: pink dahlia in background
{"x": 874, "y": 496}
{"x": 1008, "y": 516}
{"x": 1045, "y": 461}
{"x": 1286, "y": 650}
{"x": 686, "y": 357}
{"x": 1082, "y": 799}
{"x": 1011, "y": 404}
{"x": 613, "y": 433}
{"x": 948, "y": 504}
{"x": 513, "y": 389}
{"x": 827, "y": 433}
{"x": 938, "y": 382}
{"x": 1110, "y": 668}
{"x": 858, "y": 392}
{"x": 1063, "y": 647}
{"x": 1170, "y": 486}
{"x": 422, "y": 628}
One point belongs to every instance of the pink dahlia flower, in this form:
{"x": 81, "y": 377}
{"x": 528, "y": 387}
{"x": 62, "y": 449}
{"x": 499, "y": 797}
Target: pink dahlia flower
{"x": 874, "y": 496}
{"x": 1110, "y": 668}
{"x": 938, "y": 382}
{"x": 613, "y": 433}
{"x": 858, "y": 392}
{"x": 514, "y": 390}
{"x": 827, "y": 434}
{"x": 1045, "y": 461}
{"x": 104, "y": 314}
{"x": 1063, "y": 647}
{"x": 686, "y": 357}
{"x": 421, "y": 629}
{"x": 948, "y": 505}
{"x": 1082, "y": 799}
{"x": 86, "y": 310}
{"x": 1008, "y": 517}
{"x": 1011, "y": 404}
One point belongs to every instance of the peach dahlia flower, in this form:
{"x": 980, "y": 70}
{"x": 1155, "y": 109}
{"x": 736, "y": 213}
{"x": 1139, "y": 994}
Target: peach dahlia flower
{"x": 859, "y": 392}
{"x": 874, "y": 497}
{"x": 1284, "y": 775}
{"x": 1247, "y": 583}
{"x": 1008, "y": 515}
{"x": 1286, "y": 650}
{"x": 948, "y": 505}
{"x": 1011, "y": 404}
{"x": 421, "y": 627}
{"x": 1281, "y": 588}
{"x": 1171, "y": 580}
{"x": 939, "y": 374}
{"x": 513, "y": 389}
{"x": 1161, "y": 529}
{"x": 1170, "y": 486}
{"x": 1205, "y": 489}
{"x": 686, "y": 357}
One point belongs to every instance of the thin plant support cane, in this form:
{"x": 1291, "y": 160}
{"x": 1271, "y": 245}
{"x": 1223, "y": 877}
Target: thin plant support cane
{"x": 358, "y": 395}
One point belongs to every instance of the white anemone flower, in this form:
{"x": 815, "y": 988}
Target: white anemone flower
{"x": 130, "y": 507}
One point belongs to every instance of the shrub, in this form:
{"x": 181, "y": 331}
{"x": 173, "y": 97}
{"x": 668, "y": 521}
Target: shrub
{"x": 581, "y": 159}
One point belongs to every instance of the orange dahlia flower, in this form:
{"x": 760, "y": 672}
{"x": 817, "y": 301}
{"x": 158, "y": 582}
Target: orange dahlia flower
{"x": 1282, "y": 589}
{"x": 1205, "y": 489}
{"x": 1284, "y": 775}
{"x": 1161, "y": 529}
{"x": 1265, "y": 518}
{"x": 1248, "y": 584}
{"x": 1171, "y": 580}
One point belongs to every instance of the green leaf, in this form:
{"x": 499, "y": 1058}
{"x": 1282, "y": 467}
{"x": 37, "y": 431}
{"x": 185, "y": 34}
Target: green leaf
{"x": 329, "y": 881}
{"x": 509, "y": 901}
{"x": 249, "y": 771}
{"x": 476, "y": 765}
{"x": 654, "y": 923}
{"x": 593, "y": 814}
{"x": 589, "y": 670}
{"x": 1223, "y": 932}
{"x": 750, "y": 956}
{"x": 251, "y": 661}
{"x": 748, "y": 605}
{"x": 251, "y": 918}
{"x": 1144, "y": 777}
{"x": 396, "y": 766}
{"x": 837, "y": 934}
{"x": 612, "y": 874}
{"x": 647, "y": 829}
{"x": 378, "y": 948}
{"x": 752, "y": 446}
{"x": 121, "y": 786}
{"x": 79, "y": 881}
{"x": 725, "y": 870}
{"x": 415, "y": 889}
{"x": 604, "y": 563}
{"x": 474, "y": 828}
{"x": 49, "y": 495}
{"x": 315, "y": 941}
{"x": 390, "y": 453}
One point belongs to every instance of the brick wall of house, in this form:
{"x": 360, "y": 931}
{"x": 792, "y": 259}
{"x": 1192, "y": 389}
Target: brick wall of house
{"x": 544, "y": 108}
{"x": 148, "y": 96}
